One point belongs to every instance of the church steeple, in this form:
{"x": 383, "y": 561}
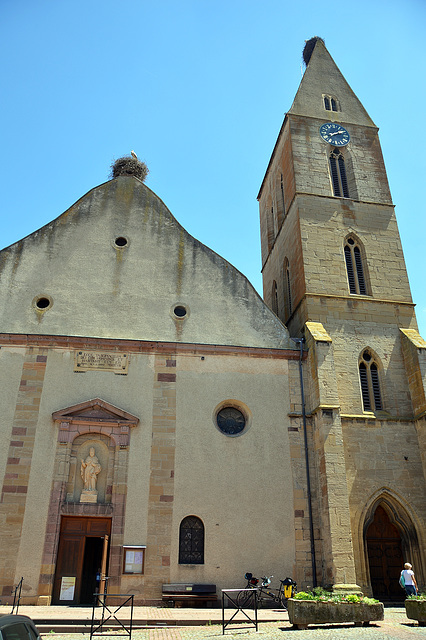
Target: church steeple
{"x": 325, "y": 188}
{"x": 334, "y": 272}
{"x": 323, "y": 79}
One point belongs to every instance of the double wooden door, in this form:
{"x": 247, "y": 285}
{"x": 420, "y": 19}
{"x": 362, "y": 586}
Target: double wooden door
{"x": 82, "y": 560}
{"x": 385, "y": 557}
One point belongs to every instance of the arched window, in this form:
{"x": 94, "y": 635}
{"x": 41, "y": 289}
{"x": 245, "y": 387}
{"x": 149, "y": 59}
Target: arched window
{"x": 330, "y": 103}
{"x": 338, "y": 174}
{"x": 370, "y": 383}
{"x": 191, "y": 541}
{"x": 275, "y": 297}
{"x": 354, "y": 267}
{"x": 288, "y": 305}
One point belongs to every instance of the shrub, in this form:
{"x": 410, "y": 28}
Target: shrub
{"x": 318, "y": 594}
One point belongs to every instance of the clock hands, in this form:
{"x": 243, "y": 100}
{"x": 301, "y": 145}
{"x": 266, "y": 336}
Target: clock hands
{"x": 330, "y": 130}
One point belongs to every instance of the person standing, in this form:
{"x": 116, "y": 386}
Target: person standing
{"x": 411, "y": 587}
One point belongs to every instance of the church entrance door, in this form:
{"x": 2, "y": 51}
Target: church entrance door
{"x": 385, "y": 557}
{"x": 82, "y": 560}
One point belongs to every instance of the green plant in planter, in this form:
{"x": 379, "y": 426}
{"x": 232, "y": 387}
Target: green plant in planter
{"x": 318, "y": 594}
{"x": 304, "y": 595}
{"x": 321, "y": 607}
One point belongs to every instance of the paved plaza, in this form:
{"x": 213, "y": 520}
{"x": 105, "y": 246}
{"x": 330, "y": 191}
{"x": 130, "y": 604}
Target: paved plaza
{"x": 162, "y": 623}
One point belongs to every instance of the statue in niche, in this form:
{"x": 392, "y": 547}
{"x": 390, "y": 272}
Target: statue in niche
{"x": 90, "y": 469}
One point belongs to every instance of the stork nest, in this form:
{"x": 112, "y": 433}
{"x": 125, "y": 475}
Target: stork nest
{"x": 129, "y": 166}
{"x": 309, "y": 47}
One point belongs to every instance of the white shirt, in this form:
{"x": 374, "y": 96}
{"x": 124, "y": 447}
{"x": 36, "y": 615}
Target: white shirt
{"x": 407, "y": 573}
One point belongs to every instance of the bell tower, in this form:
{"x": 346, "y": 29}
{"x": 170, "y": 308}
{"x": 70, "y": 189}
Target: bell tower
{"x": 334, "y": 273}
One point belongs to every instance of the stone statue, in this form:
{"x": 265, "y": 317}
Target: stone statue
{"x": 90, "y": 468}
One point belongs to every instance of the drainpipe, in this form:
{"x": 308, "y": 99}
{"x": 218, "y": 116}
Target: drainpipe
{"x": 300, "y": 342}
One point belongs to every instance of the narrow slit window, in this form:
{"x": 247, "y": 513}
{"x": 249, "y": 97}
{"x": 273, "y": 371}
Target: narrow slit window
{"x": 275, "y": 297}
{"x": 288, "y": 304}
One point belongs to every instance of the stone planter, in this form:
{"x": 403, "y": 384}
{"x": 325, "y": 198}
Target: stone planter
{"x": 304, "y": 612}
{"x": 416, "y": 610}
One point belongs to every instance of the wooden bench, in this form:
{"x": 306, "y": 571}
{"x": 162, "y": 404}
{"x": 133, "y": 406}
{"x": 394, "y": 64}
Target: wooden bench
{"x": 180, "y": 594}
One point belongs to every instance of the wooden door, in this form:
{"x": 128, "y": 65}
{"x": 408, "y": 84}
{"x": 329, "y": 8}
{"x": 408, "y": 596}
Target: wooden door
{"x": 67, "y": 587}
{"x": 104, "y": 564}
{"x": 385, "y": 557}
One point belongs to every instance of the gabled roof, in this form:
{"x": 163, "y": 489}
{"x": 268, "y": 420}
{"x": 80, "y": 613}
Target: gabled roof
{"x": 117, "y": 265}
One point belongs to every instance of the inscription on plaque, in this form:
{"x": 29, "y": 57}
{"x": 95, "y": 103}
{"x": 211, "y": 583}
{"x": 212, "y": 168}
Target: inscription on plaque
{"x": 101, "y": 361}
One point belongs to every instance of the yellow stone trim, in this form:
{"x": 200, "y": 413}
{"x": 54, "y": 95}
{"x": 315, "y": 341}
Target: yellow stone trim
{"x": 357, "y": 297}
{"x": 376, "y": 418}
{"x": 317, "y": 331}
{"x": 414, "y": 337}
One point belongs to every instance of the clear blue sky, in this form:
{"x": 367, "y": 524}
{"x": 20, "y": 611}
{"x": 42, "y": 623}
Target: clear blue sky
{"x": 199, "y": 90}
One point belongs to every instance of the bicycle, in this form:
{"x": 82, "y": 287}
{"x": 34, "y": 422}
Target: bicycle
{"x": 286, "y": 590}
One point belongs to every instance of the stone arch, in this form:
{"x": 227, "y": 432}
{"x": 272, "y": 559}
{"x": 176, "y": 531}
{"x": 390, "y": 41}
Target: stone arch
{"x": 405, "y": 521}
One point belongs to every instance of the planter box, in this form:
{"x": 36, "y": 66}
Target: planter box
{"x": 304, "y": 612}
{"x": 416, "y": 610}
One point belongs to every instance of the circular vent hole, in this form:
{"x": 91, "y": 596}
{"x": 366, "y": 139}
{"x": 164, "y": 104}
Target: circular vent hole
{"x": 121, "y": 242}
{"x": 42, "y": 303}
{"x": 179, "y": 311}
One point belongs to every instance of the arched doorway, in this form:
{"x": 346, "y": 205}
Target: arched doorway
{"x": 384, "y": 549}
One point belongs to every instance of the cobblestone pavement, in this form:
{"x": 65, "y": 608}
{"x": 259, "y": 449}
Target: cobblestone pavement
{"x": 396, "y": 626}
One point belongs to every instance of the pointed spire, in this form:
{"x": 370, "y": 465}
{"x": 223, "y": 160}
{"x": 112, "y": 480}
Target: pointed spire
{"x": 323, "y": 78}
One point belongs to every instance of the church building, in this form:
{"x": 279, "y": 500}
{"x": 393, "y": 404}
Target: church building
{"x": 161, "y": 423}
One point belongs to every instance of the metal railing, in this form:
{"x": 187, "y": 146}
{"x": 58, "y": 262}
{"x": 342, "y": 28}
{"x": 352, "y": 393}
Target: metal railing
{"x": 109, "y": 614}
{"x": 16, "y": 592}
{"x": 239, "y": 600}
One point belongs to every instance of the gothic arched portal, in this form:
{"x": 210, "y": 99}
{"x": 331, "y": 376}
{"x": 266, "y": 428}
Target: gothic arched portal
{"x": 385, "y": 558}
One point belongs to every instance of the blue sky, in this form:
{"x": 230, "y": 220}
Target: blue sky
{"x": 199, "y": 90}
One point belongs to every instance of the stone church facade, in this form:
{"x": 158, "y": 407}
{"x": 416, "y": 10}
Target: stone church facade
{"x": 163, "y": 424}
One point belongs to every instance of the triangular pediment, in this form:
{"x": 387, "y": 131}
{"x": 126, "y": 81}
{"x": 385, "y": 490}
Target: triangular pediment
{"x": 96, "y": 410}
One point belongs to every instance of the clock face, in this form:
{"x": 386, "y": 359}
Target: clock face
{"x": 334, "y": 134}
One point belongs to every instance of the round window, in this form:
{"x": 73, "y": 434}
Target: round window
{"x": 179, "y": 311}
{"x": 42, "y": 303}
{"x": 231, "y": 421}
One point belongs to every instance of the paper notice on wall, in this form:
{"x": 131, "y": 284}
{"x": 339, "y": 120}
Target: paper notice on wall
{"x": 133, "y": 561}
{"x": 67, "y": 588}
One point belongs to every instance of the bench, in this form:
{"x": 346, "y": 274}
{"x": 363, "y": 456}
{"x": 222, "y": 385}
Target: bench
{"x": 179, "y": 594}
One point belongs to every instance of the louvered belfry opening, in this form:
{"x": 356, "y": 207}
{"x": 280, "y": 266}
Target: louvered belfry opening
{"x": 191, "y": 541}
{"x": 338, "y": 174}
{"x": 370, "y": 384}
{"x": 355, "y": 268}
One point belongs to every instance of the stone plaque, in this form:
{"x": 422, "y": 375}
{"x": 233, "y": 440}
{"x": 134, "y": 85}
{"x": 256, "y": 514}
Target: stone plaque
{"x": 101, "y": 361}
